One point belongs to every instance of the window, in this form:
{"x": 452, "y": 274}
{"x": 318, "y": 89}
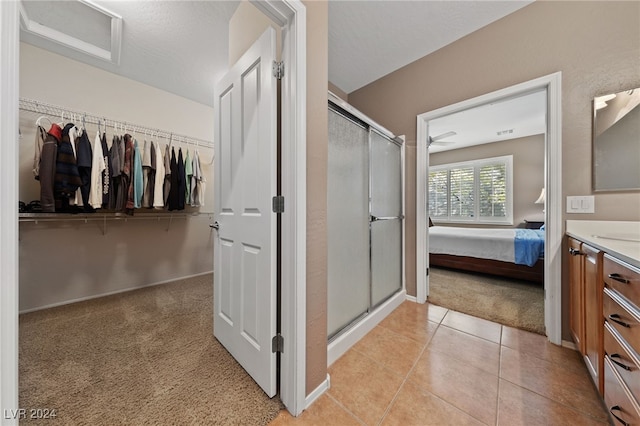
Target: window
{"x": 478, "y": 191}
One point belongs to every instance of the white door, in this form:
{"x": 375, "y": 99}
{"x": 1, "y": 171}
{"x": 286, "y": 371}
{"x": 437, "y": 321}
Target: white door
{"x": 245, "y": 182}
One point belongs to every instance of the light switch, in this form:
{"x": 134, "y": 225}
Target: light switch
{"x": 581, "y": 204}
{"x": 575, "y": 203}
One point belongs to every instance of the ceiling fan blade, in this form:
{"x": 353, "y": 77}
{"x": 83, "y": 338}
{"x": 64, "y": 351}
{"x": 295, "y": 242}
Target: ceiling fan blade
{"x": 436, "y": 139}
{"x": 443, "y": 136}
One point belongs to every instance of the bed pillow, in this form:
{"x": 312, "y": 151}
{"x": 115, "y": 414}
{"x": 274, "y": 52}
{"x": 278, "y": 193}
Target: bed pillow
{"x": 430, "y": 223}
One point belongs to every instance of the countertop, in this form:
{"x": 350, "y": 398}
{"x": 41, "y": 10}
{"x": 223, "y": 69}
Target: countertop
{"x": 619, "y": 239}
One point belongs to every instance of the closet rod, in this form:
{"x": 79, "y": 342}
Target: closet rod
{"x": 58, "y": 111}
{"x": 56, "y": 217}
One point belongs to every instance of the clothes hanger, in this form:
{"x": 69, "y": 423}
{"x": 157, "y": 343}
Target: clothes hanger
{"x": 43, "y": 117}
{"x": 213, "y": 157}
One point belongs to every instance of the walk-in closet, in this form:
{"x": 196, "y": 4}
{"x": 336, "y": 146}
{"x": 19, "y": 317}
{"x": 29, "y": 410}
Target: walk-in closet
{"x": 81, "y": 250}
{"x": 116, "y": 294}
{"x": 365, "y": 217}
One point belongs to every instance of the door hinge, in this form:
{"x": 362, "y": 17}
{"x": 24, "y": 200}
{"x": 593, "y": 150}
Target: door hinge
{"x": 277, "y": 203}
{"x": 277, "y": 343}
{"x": 427, "y": 271}
{"x": 278, "y": 69}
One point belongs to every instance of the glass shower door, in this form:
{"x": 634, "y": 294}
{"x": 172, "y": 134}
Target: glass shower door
{"x": 386, "y": 217}
{"x": 348, "y": 222}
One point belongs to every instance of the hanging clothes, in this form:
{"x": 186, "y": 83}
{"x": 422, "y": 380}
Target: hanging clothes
{"x": 41, "y": 135}
{"x": 152, "y": 174}
{"x": 173, "y": 191}
{"x": 158, "y": 186}
{"x": 182, "y": 184}
{"x": 147, "y": 192}
{"x": 116, "y": 161}
{"x": 137, "y": 176}
{"x": 84, "y": 161}
{"x": 127, "y": 174}
{"x": 188, "y": 172}
{"x": 98, "y": 168}
{"x": 106, "y": 172}
{"x": 47, "y": 168}
{"x": 167, "y": 175}
{"x": 73, "y": 133}
{"x": 67, "y": 178}
{"x": 196, "y": 177}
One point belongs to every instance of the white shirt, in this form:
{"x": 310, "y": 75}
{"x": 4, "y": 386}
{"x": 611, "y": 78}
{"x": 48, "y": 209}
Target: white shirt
{"x": 97, "y": 167}
{"x": 158, "y": 185}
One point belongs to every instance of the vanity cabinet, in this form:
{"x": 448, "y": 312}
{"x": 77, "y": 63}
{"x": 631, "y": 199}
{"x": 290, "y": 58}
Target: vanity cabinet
{"x": 585, "y": 304}
{"x": 576, "y": 294}
{"x": 593, "y": 319}
{"x": 604, "y": 301}
{"x": 621, "y": 309}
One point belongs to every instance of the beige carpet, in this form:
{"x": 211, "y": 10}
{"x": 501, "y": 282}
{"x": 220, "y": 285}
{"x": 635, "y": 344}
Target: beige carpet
{"x": 518, "y": 304}
{"x": 141, "y": 357}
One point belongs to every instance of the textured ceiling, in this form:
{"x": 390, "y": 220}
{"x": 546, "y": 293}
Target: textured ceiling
{"x": 182, "y": 46}
{"x": 493, "y": 122}
{"x": 370, "y": 39}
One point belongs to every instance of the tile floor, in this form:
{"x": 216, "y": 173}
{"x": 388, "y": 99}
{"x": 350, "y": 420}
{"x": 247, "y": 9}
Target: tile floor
{"x": 426, "y": 365}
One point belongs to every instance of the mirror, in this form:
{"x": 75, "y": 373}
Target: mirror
{"x": 616, "y": 141}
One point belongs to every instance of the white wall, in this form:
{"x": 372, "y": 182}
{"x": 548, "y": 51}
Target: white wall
{"x": 67, "y": 260}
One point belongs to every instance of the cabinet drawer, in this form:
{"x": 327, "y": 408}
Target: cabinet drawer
{"x": 623, "y": 278}
{"x": 620, "y": 405}
{"x": 625, "y": 362}
{"x": 624, "y": 319}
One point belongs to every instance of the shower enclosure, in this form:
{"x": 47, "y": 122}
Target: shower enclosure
{"x": 365, "y": 216}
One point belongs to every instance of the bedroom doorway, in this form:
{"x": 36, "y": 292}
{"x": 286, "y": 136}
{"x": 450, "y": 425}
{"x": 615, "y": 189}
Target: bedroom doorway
{"x": 549, "y": 86}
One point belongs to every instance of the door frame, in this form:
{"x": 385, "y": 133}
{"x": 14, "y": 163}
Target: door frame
{"x": 9, "y": 94}
{"x": 291, "y": 16}
{"x": 553, "y": 183}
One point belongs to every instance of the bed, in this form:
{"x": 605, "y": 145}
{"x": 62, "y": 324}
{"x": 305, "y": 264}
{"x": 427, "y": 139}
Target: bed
{"x": 514, "y": 252}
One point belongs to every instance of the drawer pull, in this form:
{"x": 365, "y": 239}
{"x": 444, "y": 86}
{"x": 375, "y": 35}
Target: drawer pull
{"x": 617, "y": 408}
{"x": 619, "y": 278}
{"x": 574, "y": 252}
{"x": 618, "y": 363}
{"x": 615, "y": 318}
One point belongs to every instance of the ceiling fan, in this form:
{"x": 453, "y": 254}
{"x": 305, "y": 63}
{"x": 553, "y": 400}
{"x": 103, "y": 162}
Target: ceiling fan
{"x": 438, "y": 139}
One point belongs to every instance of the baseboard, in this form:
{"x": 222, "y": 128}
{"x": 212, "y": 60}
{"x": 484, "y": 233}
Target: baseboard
{"x": 568, "y": 344}
{"x": 110, "y": 293}
{"x": 350, "y": 337}
{"x": 413, "y": 299}
{"x": 317, "y": 392}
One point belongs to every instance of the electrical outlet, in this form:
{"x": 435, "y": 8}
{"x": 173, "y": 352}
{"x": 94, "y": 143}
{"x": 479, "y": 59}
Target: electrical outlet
{"x": 581, "y": 204}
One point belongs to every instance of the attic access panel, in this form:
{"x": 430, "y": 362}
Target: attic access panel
{"x": 80, "y": 25}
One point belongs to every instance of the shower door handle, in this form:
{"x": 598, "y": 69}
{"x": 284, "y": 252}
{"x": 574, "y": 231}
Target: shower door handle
{"x": 373, "y": 218}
